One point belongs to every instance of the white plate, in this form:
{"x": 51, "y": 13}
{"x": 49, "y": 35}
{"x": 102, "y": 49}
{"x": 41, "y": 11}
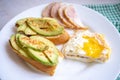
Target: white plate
{"x": 13, "y": 68}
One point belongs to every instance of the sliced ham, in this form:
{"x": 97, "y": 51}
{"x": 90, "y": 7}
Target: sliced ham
{"x": 63, "y": 18}
{"x": 72, "y": 17}
{"x": 47, "y": 10}
{"x": 65, "y": 14}
{"x": 54, "y": 12}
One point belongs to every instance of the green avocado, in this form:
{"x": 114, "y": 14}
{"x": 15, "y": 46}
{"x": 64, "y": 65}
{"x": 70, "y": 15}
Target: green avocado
{"x": 26, "y": 51}
{"x": 21, "y": 22}
{"x": 45, "y": 26}
{"x": 16, "y": 47}
{"x": 24, "y": 28}
{"x": 21, "y": 28}
{"x": 29, "y": 31}
{"x": 21, "y": 25}
{"x": 39, "y": 56}
{"x": 47, "y": 56}
{"x": 52, "y": 52}
{"x": 31, "y": 43}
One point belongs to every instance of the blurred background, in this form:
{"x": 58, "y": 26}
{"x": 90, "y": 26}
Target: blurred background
{"x": 11, "y": 8}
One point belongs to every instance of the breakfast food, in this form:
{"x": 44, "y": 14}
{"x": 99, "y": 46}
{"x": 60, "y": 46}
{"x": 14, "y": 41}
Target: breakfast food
{"x": 54, "y": 9}
{"x": 54, "y": 13}
{"x": 46, "y": 12}
{"x": 22, "y": 26}
{"x": 87, "y": 46}
{"x": 72, "y": 17}
{"x": 47, "y": 27}
{"x": 36, "y": 39}
{"x": 62, "y": 17}
{"x": 65, "y": 14}
{"x": 37, "y": 51}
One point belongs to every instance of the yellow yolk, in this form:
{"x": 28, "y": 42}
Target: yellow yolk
{"x": 92, "y": 47}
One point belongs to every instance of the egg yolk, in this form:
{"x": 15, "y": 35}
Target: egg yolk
{"x": 92, "y": 47}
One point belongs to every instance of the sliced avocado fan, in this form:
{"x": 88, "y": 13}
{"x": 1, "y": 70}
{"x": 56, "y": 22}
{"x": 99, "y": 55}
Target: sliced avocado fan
{"x": 36, "y": 48}
{"x": 41, "y": 26}
{"x": 16, "y": 47}
{"x": 31, "y": 43}
{"x": 51, "y": 52}
{"x": 45, "y": 26}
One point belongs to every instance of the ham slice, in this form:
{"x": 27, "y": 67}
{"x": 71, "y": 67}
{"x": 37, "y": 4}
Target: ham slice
{"x": 54, "y": 12}
{"x": 47, "y": 11}
{"x": 72, "y": 17}
{"x": 63, "y": 17}
{"x": 64, "y": 14}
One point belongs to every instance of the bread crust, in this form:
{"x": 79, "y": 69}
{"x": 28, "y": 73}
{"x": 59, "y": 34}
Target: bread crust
{"x": 44, "y": 68}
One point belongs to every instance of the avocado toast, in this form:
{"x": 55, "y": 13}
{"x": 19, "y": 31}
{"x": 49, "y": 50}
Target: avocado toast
{"x": 37, "y": 51}
{"x": 46, "y": 27}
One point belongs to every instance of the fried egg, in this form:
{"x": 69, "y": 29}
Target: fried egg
{"x": 87, "y": 46}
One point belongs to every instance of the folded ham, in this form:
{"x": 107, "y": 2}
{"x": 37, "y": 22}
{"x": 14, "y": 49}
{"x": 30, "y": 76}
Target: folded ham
{"x": 47, "y": 11}
{"x": 72, "y": 17}
{"x": 65, "y": 14}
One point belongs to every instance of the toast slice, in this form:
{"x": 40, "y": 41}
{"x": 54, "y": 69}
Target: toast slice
{"x": 46, "y": 69}
{"x": 46, "y": 29}
{"x": 42, "y": 66}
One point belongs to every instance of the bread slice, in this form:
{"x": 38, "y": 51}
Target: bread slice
{"x": 59, "y": 37}
{"x": 44, "y": 68}
{"x": 49, "y": 69}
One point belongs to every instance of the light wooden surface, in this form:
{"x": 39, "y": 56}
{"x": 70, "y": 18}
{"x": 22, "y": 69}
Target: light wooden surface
{"x": 10, "y": 8}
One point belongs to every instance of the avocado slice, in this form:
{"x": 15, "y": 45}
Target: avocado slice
{"x": 23, "y": 27}
{"x": 49, "y": 56}
{"x": 21, "y": 22}
{"x": 45, "y": 27}
{"x": 39, "y": 56}
{"x": 30, "y": 43}
{"x": 16, "y": 47}
{"x": 52, "y": 52}
{"x": 29, "y": 31}
{"x": 34, "y": 53}
{"x": 26, "y": 30}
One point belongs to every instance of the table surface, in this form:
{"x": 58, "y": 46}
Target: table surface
{"x": 11, "y": 8}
